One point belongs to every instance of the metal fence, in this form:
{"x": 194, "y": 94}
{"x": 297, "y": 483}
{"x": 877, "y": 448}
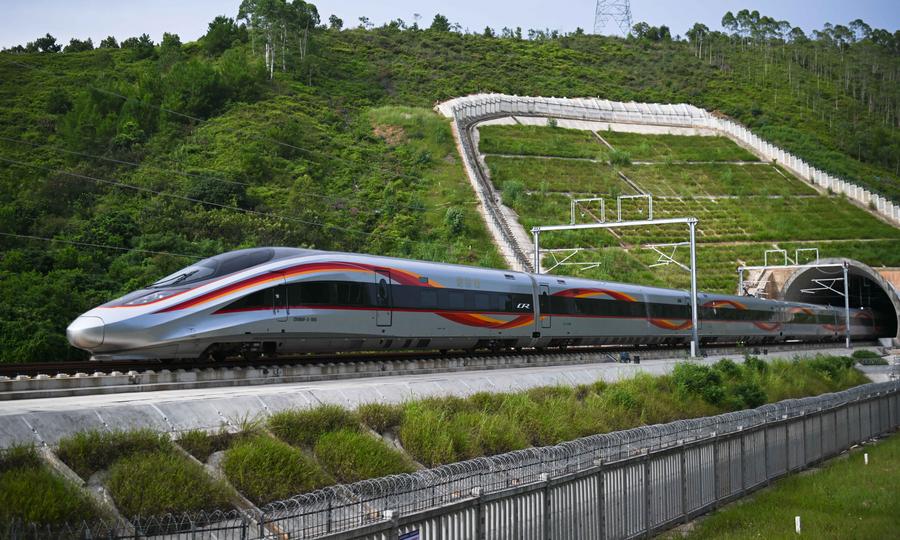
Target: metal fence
{"x": 618, "y": 485}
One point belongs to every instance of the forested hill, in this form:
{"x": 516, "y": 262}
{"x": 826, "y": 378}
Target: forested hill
{"x": 284, "y": 129}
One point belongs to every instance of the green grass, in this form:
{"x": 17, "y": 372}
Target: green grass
{"x": 443, "y": 185}
{"x": 381, "y": 417}
{"x": 702, "y": 179}
{"x": 161, "y": 482}
{"x": 90, "y": 451}
{"x": 846, "y": 499}
{"x": 642, "y": 147}
{"x": 351, "y": 456}
{"x": 555, "y": 174}
{"x": 31, "y": 493}
{"x": 266, "y": 469}
{"x": 758, "y": 223}
{"x": 743, "y": 209}
{"x": 444, "y": 430}
{"x": 539, "y": 141}
{"x": 304, "y": 427}
{"x": 202, "y": 444}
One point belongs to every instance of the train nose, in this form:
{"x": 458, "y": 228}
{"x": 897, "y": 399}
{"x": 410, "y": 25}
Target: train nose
{"x": 86, "y": 332}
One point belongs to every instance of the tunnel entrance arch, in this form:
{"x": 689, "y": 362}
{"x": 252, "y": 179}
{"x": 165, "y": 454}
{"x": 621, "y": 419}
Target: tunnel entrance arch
{"x": 867, "y": 290}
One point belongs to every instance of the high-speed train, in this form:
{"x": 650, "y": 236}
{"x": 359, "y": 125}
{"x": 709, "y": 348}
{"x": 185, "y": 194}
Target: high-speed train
{"x": 278, "y": 301}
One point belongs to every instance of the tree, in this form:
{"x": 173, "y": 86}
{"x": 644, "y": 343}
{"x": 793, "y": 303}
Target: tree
{"x": 45, "y": 44}
{"x": 282, "y": 26}
{"x": 729, "y": 22}
{"x": 170, "y": 41}
{"x": 860, "y": 29}
{"x": 797, "y": 35}
{"x": 696, "y": 35}
{"x": 141, "y": 47}
{"x": 640, "y": 30}
{"x": 221, "y": 34}
{"x": 335, "y": 22}
{"x": 663, "y": 34}
{"x": 77, "y": 45}
{"x": 488, "y": 32}
{"x": 109, "y": 42}
{"x": 440, "y": 24}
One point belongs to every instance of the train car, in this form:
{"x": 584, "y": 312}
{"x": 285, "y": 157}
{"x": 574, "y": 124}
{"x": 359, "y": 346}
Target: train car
{"x": 286, "y": 301}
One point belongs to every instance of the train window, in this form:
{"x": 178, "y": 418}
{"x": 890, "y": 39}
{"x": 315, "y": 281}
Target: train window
{"x": 428, "y": 299}
{"x": 264, "y": 299}
{"x": 482, "y": 302}
{"x": 456, "y": 300}
{"x": 218, "y": 266}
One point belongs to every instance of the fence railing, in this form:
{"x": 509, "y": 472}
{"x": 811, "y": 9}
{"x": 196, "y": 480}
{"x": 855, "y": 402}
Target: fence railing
{"x": 472, "y": 109}
{"x": 617, "y": 485}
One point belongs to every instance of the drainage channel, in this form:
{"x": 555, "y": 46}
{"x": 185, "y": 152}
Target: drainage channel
{"x": 146, "y": 380}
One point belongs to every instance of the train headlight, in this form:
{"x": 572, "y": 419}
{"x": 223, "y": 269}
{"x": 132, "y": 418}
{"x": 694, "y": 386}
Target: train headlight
{"x": 153, "y": 296}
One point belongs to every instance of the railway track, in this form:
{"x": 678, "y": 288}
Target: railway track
{"x": 66, "y": 379}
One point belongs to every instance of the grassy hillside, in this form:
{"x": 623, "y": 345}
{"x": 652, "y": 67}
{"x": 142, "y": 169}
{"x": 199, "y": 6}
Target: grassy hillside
{"x": 135, "y": 160}
{"x": 745, "y": 207}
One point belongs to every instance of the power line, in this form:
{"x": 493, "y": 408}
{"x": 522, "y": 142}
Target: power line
{"x": 90, "y": 244}
{"x": 190, "y": 199}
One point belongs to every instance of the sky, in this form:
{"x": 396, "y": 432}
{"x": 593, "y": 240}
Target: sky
{"x": 25, "y": 20}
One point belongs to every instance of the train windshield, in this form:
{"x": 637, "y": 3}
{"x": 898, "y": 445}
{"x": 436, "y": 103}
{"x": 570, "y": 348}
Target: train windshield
{"x": 213, "y": 267}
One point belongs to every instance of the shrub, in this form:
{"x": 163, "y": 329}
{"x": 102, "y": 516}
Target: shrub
{"x": 831, "y": 366}
{"x": 513, "y": 191}
{"x": 90, "y": 451}
{"x": 749, "y": 394}
{"x": 621, "y": 396}
{"x": 155, "y": 483}
{"x": 381, "y": 417}
{"x": 727, "y": 368}
{"x": 876, "y": 361}
{"x": 303, "y": 428}
{"x": 755, "y": 364}
{"x": 620, "y": 158}
{"x": 454, "y": 220}
{"x": 265, "y": 469}
{"x": 863, "y": 353}
{"x": 695, "y": 379}
{"x": 351, "y": 456}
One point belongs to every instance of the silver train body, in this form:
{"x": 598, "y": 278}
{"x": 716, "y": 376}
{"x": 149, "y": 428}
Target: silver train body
{"x": 285, "y": 301}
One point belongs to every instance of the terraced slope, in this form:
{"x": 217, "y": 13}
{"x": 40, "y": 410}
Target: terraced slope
{"x": 745, "y": 206}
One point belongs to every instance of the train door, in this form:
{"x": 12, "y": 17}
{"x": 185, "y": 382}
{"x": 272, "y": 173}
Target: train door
{"x": 545, "y": 306}
{"x": 383, "y": 299}
{"x": 280, "y": 306}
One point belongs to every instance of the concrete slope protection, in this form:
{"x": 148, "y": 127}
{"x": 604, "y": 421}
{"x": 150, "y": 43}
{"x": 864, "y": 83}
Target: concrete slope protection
{"x": 467, "y": 112}
{"x": 624, "y": 484}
